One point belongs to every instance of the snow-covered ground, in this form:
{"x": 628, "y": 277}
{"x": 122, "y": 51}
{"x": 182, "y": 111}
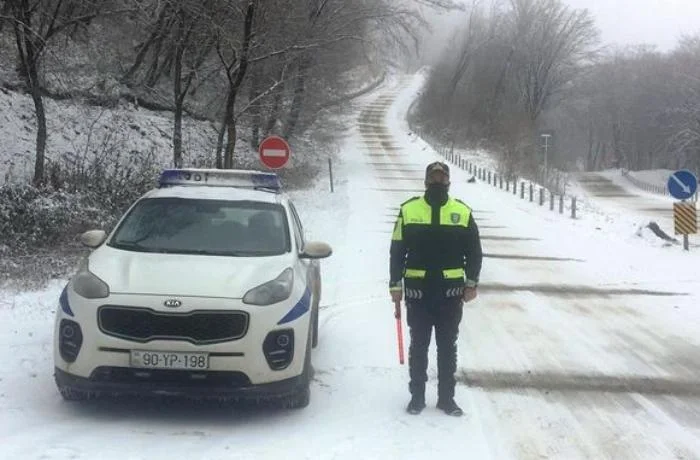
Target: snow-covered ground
{"x": 655, "y": 177}
{"x": 79, "y": 131}
{"x": 582, "y": 344}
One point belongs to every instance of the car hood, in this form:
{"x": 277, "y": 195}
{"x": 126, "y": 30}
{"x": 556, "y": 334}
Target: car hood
{"x": 128, "y": 272}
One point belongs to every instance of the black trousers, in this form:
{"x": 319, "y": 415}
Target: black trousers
{"x": 433, "y": 311}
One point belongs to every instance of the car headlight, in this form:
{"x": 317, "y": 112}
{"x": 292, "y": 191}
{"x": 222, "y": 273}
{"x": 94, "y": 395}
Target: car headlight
{"x": 274, "y": 291}
{"x": 88, "y": 285}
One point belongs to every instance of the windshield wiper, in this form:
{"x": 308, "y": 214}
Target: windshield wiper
{"x": 204, "y": 252}
{"x": 134, "y": 246}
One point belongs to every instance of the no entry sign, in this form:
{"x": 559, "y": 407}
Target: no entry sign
{"x": 274, "y": 152}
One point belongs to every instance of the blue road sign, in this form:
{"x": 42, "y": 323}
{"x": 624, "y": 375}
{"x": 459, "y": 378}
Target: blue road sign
{"x": 682, "y": 184}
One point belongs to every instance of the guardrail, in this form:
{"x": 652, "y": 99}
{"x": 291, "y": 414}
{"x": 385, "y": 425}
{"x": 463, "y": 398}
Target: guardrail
{"x": 644, "y": 185}
{"x": 526, "y": 188}
{"x": 557, "y": 201}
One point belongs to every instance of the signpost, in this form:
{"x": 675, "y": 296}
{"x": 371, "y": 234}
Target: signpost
{"x": 546, "y": 154}
{"x": 546, "y": 135}
{"x": 682, "y": 185}
{"x": 274, "y": 152}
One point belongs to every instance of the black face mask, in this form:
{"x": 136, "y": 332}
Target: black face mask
{"x": 436, "y": 194}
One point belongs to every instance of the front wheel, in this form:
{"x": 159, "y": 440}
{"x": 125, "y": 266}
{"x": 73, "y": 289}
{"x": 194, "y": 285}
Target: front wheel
{"x": 302, "y": 396}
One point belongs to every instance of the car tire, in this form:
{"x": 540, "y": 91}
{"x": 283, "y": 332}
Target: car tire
{"x": 302, "y": 396}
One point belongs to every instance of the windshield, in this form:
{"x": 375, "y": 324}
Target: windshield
{"x": 207, "y": 227}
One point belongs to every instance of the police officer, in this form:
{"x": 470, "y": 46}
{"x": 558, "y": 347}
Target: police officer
{"x": 436, "y": 259}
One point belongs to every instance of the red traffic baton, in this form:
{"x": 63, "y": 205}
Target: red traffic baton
{"x": 399, "y": 329}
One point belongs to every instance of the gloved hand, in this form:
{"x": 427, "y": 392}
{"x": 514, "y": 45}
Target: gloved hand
{"x": 469, "y": 295}
{"x": 396, "y": 291}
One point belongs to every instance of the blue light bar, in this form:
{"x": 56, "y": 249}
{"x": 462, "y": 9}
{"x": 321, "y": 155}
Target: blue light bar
{"x": 239, "y": 178}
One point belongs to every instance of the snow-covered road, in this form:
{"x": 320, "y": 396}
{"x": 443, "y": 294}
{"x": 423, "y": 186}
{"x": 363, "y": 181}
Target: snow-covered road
{"x": 582, "y": 344}
{"x": 616, "y": 194}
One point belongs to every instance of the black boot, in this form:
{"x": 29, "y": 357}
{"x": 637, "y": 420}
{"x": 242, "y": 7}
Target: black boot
{"x": 416, "y": 405}
{"x": 450, "y": 407}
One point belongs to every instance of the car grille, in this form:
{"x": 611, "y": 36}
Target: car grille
{"x": 198, "y": 327}
{"x": 170, "y": 377}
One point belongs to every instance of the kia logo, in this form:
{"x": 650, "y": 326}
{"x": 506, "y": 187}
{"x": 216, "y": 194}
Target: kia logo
{"x": 172, "y": 303}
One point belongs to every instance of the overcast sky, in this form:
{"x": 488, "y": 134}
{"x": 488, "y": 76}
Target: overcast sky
{"x": 655, "y": 22}
{"x": 621, "y": 22}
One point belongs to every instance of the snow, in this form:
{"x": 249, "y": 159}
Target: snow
{"x": 655, "y": 177}
{"x": 582, "y": 343}
{"x": 78, "y": 131}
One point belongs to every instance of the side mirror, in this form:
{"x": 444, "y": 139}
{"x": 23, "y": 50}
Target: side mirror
{"x": 93, "y": 238}
{"x": 316, "y": 250}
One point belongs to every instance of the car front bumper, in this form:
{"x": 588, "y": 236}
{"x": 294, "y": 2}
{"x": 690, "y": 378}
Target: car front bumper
{"x": 210, "y": 384}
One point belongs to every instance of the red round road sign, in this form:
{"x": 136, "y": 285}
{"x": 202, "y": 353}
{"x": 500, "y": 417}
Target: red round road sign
{"x": 274, "y": 152}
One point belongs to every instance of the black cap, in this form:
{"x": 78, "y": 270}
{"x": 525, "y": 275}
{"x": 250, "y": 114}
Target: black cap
{"x": 437, "y": 166}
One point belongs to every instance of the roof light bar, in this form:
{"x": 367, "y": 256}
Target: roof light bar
{"x": 220, "y": 178}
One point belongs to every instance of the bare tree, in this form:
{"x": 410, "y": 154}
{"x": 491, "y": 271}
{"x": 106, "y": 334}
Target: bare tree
{"x": 150, "y": 54}
{"x": 193, "y": 42}
{"x": 513, "y": 62}
{"x": 235, "y": 59}
{"x": 634, "y": 108}
{"x": 556, "y": 42}
{"x": 36, "y": 23}
{"x": 682, "y": 119}
{"x": 325, "y": 23}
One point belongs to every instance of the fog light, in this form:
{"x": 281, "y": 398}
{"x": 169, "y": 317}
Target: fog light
{"x": 70, "y": 340}
{"x": 283, "y": 340}
{"x": 68, "y": 331}
{"x": 279, "y": 349}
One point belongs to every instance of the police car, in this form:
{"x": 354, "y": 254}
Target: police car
{"x": 206, "y": 287}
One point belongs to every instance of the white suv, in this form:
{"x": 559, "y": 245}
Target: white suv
{"x": 205, "y": 287}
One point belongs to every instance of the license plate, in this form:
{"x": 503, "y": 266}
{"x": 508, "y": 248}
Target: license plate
{"x": 169, "y": 360}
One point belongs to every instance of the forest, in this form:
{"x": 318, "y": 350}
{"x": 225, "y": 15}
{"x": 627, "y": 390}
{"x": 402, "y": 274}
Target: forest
{"x": 520, "y": 69}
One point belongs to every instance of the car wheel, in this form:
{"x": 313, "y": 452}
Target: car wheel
{"x": 302, "y": 396}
